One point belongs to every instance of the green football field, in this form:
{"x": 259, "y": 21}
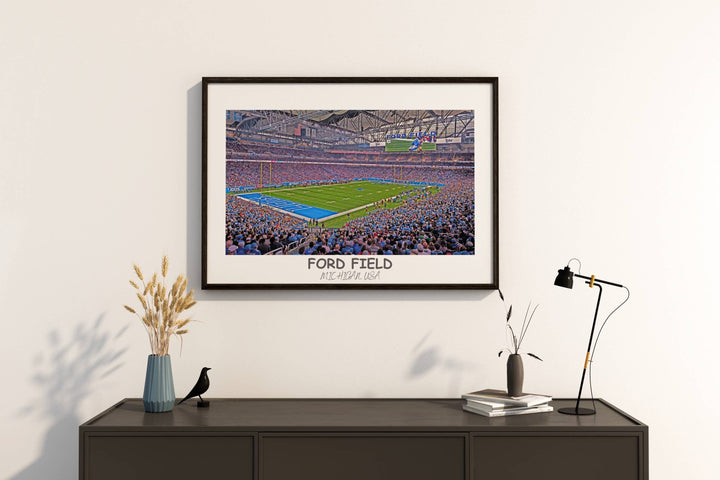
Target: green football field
{"x": 341, "y": 197}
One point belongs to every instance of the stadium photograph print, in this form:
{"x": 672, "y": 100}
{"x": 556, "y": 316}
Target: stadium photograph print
{"x": 350, "y": 183}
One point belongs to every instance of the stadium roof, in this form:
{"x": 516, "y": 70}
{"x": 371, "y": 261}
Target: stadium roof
{"x": 347, "y": 127}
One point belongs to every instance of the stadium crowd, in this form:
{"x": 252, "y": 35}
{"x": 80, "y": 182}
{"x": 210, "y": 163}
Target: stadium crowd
{"x": 254, "y": 230}
{"x": 426, "y": 223}
{"x": 256, "y": 151}
{"x": 239, "y": 174}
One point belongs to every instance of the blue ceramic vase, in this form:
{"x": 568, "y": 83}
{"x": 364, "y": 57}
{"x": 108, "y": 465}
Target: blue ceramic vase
{"x": 159, "y": 394}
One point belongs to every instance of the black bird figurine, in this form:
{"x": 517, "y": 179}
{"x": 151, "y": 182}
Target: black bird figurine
{"x": 200, "y": 387}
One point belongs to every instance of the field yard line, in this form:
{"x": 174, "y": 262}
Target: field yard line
{"x": 286, "y": 212}
{"x": 326, "y": 195}
{"x": 307, "y": 187}
{"x": 321, "y": 197}
{"x": 345, "y": 212}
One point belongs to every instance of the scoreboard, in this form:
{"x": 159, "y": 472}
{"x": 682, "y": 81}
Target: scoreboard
{"x": 408, "y": 145}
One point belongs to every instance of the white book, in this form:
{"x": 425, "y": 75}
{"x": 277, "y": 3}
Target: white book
{"x": 499, "y": 396}
{"x": 508, "y": 411}
{"x": 491, "y": 406}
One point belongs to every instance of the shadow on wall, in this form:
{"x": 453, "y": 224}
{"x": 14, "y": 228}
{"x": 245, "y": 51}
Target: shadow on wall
{"x": 65, "y": 373}
{"x": 427, "y": 358}
{"x": 194, "y": 186}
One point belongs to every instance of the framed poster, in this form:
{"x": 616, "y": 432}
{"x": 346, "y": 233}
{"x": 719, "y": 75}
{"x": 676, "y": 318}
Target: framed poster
{"x": 359, "y": 183}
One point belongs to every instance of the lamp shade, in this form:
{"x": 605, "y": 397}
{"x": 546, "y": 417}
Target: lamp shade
{"x": 564, "y": 278}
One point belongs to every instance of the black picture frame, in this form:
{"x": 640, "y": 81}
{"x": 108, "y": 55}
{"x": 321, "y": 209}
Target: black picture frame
{"x": 244, "y": 89}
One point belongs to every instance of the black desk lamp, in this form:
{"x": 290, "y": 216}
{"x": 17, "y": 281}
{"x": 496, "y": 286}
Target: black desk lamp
{"x": 565, "y": 279}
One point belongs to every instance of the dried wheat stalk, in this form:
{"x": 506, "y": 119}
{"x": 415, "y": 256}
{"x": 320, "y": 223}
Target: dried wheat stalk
{"x": 162, "y": 307}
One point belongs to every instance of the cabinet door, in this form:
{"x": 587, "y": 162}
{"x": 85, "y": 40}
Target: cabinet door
{"x": 362, "y": 457}
{"x": 186, "y": 457}
{"x": 560, "y": 457}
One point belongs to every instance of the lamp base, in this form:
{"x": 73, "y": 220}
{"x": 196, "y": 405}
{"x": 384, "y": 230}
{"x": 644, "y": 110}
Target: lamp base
{"x": 576, "y": 411}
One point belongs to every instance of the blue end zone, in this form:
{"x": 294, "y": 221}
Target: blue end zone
{"x": 289, "y": 206}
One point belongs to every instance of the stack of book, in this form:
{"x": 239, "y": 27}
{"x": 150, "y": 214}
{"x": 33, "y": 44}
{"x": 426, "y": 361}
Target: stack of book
{"x": 497, "y": 403}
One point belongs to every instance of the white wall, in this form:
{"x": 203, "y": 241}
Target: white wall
{"x": 608, "y": 152}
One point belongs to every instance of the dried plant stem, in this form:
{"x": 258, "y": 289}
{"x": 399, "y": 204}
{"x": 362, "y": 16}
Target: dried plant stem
{"x": 516, "y": 347}
{"x": 529, "y": 319}
{"x": 517, "y": 340}
{"x": 162, "y": 308}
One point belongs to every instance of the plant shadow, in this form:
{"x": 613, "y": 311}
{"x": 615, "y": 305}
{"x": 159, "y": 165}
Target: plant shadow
{"x": 427, "y": 358}
{"x": 65, "y": 373}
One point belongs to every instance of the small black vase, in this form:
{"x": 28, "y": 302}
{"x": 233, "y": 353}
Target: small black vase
{"x": 514, "y": 375}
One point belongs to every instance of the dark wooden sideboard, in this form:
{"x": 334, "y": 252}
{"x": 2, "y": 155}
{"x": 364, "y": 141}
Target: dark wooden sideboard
{"x": 364, "y": 439}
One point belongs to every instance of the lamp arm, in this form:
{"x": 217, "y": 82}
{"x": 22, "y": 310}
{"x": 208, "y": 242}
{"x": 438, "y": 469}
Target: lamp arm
{"x": 597, "y": 280}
